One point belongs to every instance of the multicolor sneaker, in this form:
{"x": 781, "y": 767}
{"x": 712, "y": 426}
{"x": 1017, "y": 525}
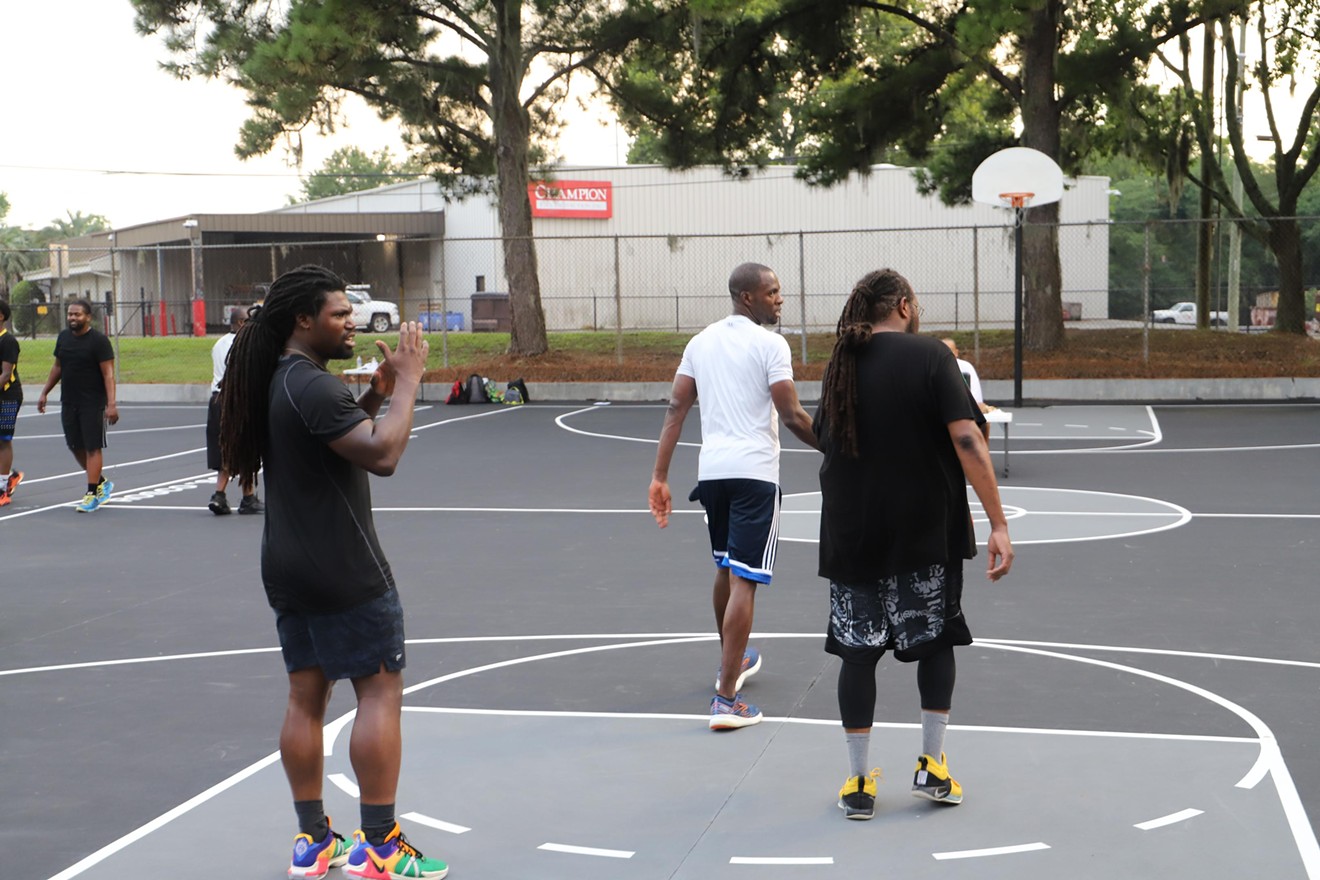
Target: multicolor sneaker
{"x": 395, "y": 859}
{"x": 933, "y": 782}
{"x": 90, "y": 502}
{"x": 750, "y": 666}
{"x": 857, "y": 797}
{"x": 314, "y": 860}
{"x": 14, "y": 479}
{"x": 104, "y": 489}
{"x": 732, "y": 714}
{"x": 4, "y": 498}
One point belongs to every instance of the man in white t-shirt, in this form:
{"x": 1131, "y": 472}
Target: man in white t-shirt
{"x": 973, "y": 382}
{"x": 744, "y": 374}
{"x": 219, "y": 503}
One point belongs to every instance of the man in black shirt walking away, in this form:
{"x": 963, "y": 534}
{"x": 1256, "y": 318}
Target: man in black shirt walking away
{"x": 85, "y": 370}
{"x": 11, "y": 400}
{"x": 899, "y": 432}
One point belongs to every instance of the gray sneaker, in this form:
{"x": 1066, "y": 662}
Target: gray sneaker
{"x": 250, "y": 504}
{"x": 219, "y": 504}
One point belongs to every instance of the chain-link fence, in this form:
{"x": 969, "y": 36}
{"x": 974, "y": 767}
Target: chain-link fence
{"x": 1113, "y": 275}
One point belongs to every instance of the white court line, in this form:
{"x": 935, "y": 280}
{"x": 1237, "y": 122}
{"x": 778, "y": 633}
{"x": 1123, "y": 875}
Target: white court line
{"x": 27, "y": 481}
{"x": 785, "y": 860}
{"x": 587, "y": 851}
{"x": 1180, "y": 816}
{"x": 417, "y": 429}
{"x": 437, "y": 824}
{"x": 117, "y": 432}
{"x": 344, "y": 784}
{"x": 991, "y": 851}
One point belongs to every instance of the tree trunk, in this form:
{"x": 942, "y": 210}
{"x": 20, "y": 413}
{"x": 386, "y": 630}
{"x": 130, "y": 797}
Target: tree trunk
{"x": 1042, "y": 276}
{"x": 1286, "y": 243}
{"x": 512, "y": 129}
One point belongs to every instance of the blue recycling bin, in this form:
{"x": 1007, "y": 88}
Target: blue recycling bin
{"x": 435, "y": 321}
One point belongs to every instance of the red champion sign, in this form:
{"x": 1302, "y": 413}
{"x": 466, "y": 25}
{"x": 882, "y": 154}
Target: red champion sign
{"x": 572, "y": 198}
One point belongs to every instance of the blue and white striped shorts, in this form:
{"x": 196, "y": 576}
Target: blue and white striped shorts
{"x": 743, "y": 519}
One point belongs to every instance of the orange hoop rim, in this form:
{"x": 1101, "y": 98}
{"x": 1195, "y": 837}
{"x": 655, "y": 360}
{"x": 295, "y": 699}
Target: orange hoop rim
{"x": 1017, "y": 199}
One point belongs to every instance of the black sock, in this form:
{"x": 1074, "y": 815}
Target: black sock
{"x": 311, "y": 819}
{"x": 377, "y": 822}
{"x": 91, "y": 488}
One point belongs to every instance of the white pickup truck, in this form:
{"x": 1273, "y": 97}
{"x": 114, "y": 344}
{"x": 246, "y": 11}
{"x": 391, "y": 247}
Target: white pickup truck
{"x": 1185, "y": 313}
{"x": 374, "y": 314}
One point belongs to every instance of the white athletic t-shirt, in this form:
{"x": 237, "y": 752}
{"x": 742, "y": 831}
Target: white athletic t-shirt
{"x": 734, "y": 363}
{"x": 973, "y": 380}
{"x": 219, "y": 352}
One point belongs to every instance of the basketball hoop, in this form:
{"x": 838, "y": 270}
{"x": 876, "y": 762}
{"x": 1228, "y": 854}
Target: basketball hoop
{"x": 1016, "y": 199}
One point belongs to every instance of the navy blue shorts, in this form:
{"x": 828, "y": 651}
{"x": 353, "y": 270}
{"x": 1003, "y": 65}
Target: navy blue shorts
{"x": 9, "y": 418}
{"x": 349, "y": 644}
{"x": 84, "y": 425}
{"x": 743, "y": 519}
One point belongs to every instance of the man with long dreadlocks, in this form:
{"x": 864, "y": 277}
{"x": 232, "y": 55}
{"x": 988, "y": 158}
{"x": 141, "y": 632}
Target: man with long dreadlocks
{"x": 744, "y": 374}
{"x": 336, "y": 608}
{"x": 899, "y": 432}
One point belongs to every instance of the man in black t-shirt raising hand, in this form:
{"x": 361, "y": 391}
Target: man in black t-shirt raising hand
{"x": 85, "y": 370}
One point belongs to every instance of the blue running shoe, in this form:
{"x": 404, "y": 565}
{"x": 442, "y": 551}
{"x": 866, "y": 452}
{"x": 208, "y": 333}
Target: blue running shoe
{"x": 750, "y": 666}
{"x": 314, "y": 860}
{"x": 90, "y": 502}
{"x": 104, "y": 489}
{"x": 732, "y": 714}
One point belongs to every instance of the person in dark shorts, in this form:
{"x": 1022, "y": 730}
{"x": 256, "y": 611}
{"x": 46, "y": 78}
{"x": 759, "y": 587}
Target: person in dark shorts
{"x": 744, "y": 374}
{"x": 337, "y": 611}
{"x": 11, "y": 400}
{"x": 899, "y": 432}
{"x": 219, "y": 503}
{"x": 85, "y": 370}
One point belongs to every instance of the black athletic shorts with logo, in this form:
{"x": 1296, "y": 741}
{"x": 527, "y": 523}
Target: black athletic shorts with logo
{"x": 348, "y": 644}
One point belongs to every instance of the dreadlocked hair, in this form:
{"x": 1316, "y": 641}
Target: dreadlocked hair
{"x": 872, "y": 300}
{"x": 245, "y": 390}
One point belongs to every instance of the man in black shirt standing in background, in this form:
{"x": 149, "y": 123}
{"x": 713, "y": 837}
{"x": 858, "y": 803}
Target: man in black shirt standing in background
{"x": 85, "y": 364}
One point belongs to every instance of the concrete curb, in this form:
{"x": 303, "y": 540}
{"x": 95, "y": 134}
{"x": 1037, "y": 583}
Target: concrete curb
{"x": 1034, "y": 391}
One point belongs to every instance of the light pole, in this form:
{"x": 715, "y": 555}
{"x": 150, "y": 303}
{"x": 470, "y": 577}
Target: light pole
{"x": 198, "y": 294}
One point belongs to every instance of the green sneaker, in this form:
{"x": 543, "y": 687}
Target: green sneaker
{"x": 104, "y": 489}
{"x": 395, "y": 859}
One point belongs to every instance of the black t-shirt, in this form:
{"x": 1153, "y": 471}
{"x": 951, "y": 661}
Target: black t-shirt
{"x": 319, "y": 552}
{"x": 902, "y": 503}
{"x": 80, "y": 360}
{"x": 9, "y": 348}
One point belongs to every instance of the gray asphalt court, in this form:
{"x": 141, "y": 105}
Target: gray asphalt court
{"x": 1141, "y": 700}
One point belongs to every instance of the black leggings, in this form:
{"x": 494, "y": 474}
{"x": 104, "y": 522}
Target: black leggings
{"x": 935, "y": 679}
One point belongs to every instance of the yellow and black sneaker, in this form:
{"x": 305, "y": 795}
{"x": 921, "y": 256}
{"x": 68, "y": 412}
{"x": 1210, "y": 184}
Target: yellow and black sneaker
{"x": 857, "y": 797}
{"x": 933, "y": 782}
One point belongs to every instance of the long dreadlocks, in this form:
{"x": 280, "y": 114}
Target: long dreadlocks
{"x": 872, "y": 299}
{"x": 245, "y": 391}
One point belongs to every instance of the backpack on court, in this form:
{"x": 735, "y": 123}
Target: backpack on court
{"x": 493, "y": 392}
{"x": 476, "y": 390}
{"x": 520, "y": 387}
{"x": 458, "y": 393}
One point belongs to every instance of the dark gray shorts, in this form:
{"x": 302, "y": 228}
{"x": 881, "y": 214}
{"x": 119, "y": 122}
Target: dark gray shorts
{"x": 349, "y": 644}
{"x": 913, "y": 614}
{"x": 9, "y": 418}
{"x": 84, "y": 425}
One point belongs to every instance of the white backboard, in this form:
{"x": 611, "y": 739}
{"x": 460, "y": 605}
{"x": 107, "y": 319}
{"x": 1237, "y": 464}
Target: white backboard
{"x": 1019, "y": 170}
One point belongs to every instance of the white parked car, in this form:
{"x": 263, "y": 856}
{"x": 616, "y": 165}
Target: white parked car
{"x": 1185, "y": 313}
{"x": 375, "y": 315}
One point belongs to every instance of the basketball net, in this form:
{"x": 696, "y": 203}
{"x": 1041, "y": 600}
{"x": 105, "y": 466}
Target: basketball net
{"x": 1017, "y": 199}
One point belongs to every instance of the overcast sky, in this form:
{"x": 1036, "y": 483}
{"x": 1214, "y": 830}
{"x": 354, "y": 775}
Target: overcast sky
{"x": 92, "y": 124}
